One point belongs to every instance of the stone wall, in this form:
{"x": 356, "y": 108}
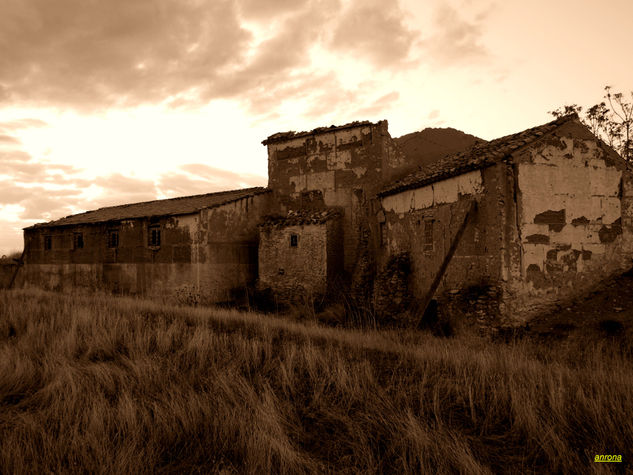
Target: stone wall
{"x": 553, "y": 219}
{"x": 294, "y": 272}
{"x": 212, "y": 253}
{"x": 574, "y": 218}
{"x": 343, "y": 165}
{"x": 422, "y": 222}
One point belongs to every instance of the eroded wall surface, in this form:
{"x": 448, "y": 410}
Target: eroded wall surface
{"x": 212, "y": 254}
{"x": 339, "y": 169}
{"x": 476, "y": 266}
{"x": 574, "y": 199}
{"x": 292, "y": 272}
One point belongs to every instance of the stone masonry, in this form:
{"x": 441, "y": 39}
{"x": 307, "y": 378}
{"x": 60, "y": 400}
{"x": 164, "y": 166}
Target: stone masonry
{"x": 554, "y": 215}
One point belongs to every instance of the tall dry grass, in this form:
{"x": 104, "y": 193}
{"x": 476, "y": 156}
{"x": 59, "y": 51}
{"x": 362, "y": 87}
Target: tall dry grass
{"x": 115, "y": 385}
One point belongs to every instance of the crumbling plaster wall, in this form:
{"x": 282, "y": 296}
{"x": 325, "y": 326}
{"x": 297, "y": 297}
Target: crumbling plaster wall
{"x": 131, "y": 267}
{"x": 343, "y": 166}
{"x": 574, "y": 218}
{"x": 477, "y": 262}
{"x": 211, "y": 253}
{"x": 226, "y": 246}
{"x": 293, "y": 272}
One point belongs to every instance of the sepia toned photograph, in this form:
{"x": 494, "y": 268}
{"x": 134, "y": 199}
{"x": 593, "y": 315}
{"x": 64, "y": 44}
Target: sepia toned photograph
{"x": 316, "y": 237}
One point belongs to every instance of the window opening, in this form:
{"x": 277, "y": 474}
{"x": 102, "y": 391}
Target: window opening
{"x": 428, "y": 235}
{"x": 154, "y": 236}
{"x": 294, "y": 240}
{"x": 113, "y": 238}
{"x": 78, "y": 240}
{"x": 48, "y": 243}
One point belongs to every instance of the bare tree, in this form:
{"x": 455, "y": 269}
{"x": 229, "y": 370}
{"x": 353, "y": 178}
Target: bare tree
{"x": 566, "y": 110}
{"x": 623, "y": 118}
{"x": 613, "y": 123}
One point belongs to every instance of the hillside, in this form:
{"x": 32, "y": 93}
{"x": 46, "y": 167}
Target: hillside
{"x": 115, "y": 385}
{"x": 431, "y": 144}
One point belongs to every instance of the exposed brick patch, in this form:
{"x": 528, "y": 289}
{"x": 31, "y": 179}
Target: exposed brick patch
{"x": 609, "y": 233}
{"x": 554, "y": 219}
{"x": 535, "y": 275}
{"x": 537, "y": 239}
{"x": 582, "y": 221}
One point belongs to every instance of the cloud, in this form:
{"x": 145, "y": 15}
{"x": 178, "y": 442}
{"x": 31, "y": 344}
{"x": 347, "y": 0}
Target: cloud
{"x": 18, "y": 124}
{"x": 7, "y": 139}
{"x": 198, "y": 179}
{"x": 375, "y": 30}
{"x": 280, "y": 68}
{"x": 379, "y": 105}
{"x": 118, "y": 52}
{"x": 19, "y": 165}
{"x": 434, "y": 114}
{"x": 266, "y": 9}
{"x": 455, "y": 40}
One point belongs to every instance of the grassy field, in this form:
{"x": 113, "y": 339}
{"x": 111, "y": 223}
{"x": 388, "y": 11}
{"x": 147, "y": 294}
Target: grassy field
{"x": 116, "y": 385}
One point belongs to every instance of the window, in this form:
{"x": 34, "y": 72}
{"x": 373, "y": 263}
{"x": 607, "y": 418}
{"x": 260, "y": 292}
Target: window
{"x": 383, "y": 234}
{"x": 428, "y": 235}
{"x": 113, "y": 238}
{"x": 48, "y": 243}
{"x": 294, "y": 240}
{"x": 78, "y": 240}
{"x": 153, "y": 236}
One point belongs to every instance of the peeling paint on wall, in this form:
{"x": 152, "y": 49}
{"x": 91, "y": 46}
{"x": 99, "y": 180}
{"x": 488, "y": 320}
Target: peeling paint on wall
{"x": 445, "y": 191}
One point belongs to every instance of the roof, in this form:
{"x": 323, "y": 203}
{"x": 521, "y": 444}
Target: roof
{"x": 284, "y": 136}
{"x": 478, "y": 156}
{"x": 167, "y": 207}
{"x": 301, "y": 217}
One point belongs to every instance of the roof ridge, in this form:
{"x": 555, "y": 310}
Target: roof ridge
{"x": 163, "y": 207}
{"x": 124, "y": 205}
{"x": 458, "y": 161}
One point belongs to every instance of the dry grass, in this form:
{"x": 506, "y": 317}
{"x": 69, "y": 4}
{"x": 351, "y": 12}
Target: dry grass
{"x": 115, "y": 385}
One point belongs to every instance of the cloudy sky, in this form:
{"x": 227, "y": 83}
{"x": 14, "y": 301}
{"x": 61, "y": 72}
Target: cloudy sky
{"x": 108, "y": 102}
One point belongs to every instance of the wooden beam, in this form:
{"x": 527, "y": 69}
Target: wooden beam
{"x": 447, "y": 259}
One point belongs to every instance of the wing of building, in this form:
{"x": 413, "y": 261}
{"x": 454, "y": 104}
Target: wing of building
{"x": 499, "y": 231}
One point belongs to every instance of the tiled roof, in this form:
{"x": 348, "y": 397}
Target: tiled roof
{"x": 283, "y": 136}
{"x": 477, "y": 157}
{"x": 296, "y": 218}
{"x": 168, "y": 207}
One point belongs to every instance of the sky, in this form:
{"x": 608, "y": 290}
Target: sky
{"x": 119, "y": 101}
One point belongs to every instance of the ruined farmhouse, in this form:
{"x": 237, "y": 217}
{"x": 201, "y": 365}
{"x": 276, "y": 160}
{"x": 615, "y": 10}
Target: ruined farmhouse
{"x": 500, "y": 230}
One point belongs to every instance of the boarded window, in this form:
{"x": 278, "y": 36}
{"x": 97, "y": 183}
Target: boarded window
{"x": 428, "y": 235}
{"x": 294, "y": 240}
{"x": 113, "y": 238}
{"x": 78, "y": 240}
{"x": 48, "y": 243}
{"x": 154, "y": 236}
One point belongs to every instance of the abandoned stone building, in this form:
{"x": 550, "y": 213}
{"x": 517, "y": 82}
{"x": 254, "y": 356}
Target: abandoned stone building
{"x": 501, "y": 230}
